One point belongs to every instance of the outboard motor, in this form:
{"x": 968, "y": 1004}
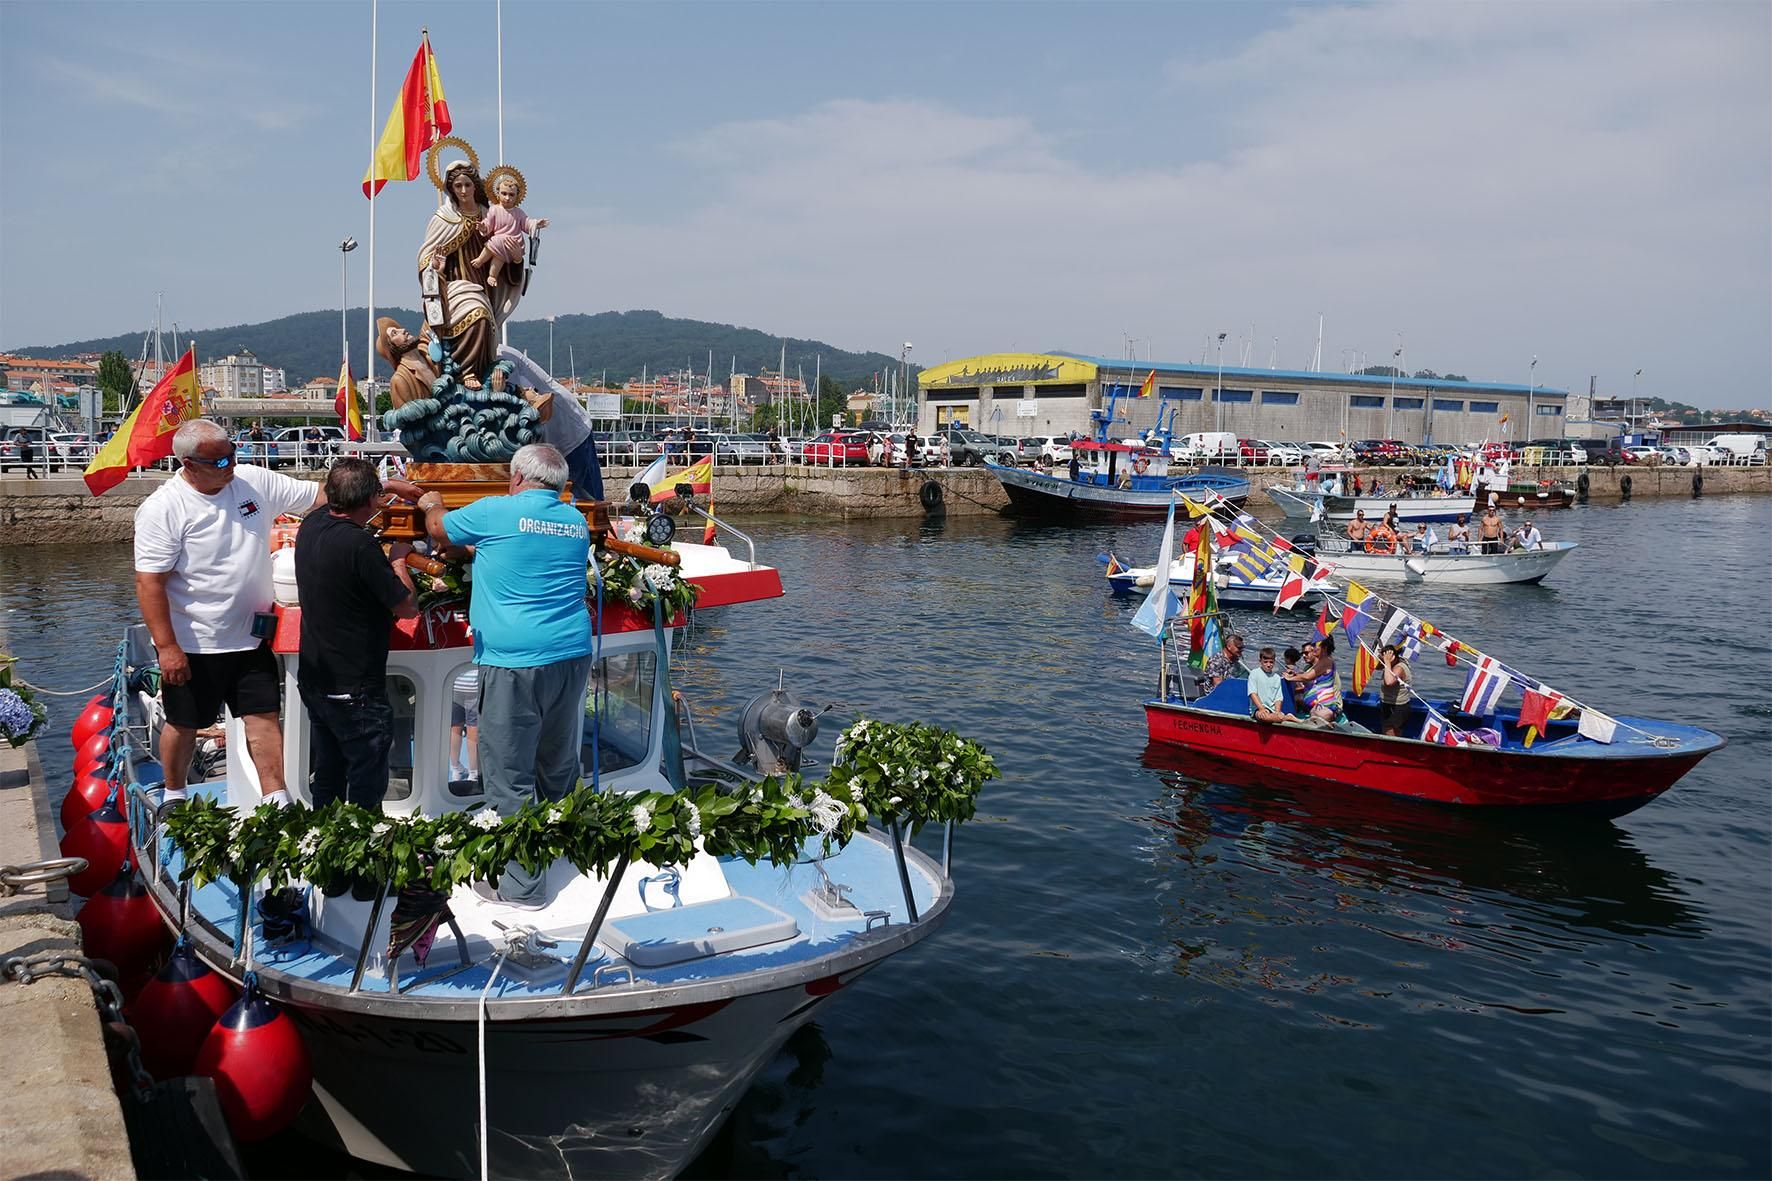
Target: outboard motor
{"x": 773, "y": 732}
{"x": 1305, "y": 543}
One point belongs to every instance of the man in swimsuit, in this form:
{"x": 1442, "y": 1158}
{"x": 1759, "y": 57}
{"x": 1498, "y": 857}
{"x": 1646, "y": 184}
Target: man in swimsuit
{"x": 1489, "y": 531}
{"x": 1357, "y": 528}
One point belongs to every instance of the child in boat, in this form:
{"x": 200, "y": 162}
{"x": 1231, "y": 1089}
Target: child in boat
{"x": 505, "y": 223}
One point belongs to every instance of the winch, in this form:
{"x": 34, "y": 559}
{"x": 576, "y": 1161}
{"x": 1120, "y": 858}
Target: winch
{"x": 774, "y": 730}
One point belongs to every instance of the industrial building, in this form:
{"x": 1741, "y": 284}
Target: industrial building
{"x": 1054, "y": 393}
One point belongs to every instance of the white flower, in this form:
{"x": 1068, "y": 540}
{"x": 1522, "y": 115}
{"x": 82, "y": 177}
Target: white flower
{"x": 635, "y": 534}
{"x": 556, "y": 814}
{"x": 896, "y": 800}
{"x": 693, "y": 820}
{"x": 486, "y": 818}
{"x": 658, "y": 577}
{"x": 756, "y": 795}
{"x": 855, "y": 792}
{"x": 382, "y": 829}
{"x": 642, "y": 818}
{"x": 634, "y": 594}
{"x": 445, "y": 841}
{"x": 309, "y": 844}
{"x": 827, "y": 813}
{"x": 794, "y": 801}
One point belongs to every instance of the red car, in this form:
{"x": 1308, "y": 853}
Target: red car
{"x": 842, "y": 447}
{"x": 1252, "y": 450}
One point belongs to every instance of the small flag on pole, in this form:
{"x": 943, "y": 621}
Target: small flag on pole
{"x": 346, "y": 403}
{"x": 1148, "y": 385}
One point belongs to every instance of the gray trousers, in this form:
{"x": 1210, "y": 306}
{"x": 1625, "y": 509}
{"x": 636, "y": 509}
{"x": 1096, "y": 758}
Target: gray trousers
{"x": 531, "y": 725}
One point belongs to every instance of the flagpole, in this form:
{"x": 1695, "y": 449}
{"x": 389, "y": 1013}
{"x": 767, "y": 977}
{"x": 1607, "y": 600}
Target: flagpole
{"x": 374, "y": 140}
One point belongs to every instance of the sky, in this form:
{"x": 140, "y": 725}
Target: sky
{"x": 1478, "y": 184}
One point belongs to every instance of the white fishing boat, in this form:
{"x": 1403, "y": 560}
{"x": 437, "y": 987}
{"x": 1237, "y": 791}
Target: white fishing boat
{"x": 1439, "y": 565}
{"x": 1301, "y": 502}
{"x": 1235, "y": 589}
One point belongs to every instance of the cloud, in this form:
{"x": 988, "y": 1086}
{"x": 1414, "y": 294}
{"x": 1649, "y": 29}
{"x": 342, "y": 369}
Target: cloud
{"x": 1590, "y": 184}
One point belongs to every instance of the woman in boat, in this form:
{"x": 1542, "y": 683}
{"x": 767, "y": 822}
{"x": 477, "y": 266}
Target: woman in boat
{"x": 1393, "y": 696}
{"x": 450, "y": 248}
{"x": 1318, "y": 685}
{"x": 1458, "y": 537}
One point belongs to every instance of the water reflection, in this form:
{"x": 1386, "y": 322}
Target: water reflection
{"x": 1577, "y": 872}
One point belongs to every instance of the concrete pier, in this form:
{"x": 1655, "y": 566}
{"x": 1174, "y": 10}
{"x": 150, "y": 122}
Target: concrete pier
{"x": 59, "y": 509}
{"x": 59, "y": 1116}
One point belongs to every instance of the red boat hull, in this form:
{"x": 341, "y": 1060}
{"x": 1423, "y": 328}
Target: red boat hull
{"x": 1467, "y": 776}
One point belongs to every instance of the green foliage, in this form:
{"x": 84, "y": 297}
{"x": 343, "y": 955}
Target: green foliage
{"x": 641, "y": 584}
{"x": 769, "y": 821}
{"x": 115, "y": 379}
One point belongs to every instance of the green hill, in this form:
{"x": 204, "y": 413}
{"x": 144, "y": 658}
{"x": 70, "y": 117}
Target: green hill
{"x": 305, "y": 346}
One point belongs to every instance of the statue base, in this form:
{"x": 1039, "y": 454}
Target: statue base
{"x": 461, "y": 484}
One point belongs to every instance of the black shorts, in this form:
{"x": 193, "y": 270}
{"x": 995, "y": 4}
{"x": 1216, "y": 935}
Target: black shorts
{"x": 246, "y": 682}
{"x": 1393, "y": 715}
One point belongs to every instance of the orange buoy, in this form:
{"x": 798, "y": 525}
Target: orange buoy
{"x": 94, "y": 718}
{"x": 102, "y": 838}
{"x": 85, "y": 797}
{"x": 120, "y": 923}
{"x": 94, "y": 752}
{"x": 175, "y": 1011}
{"x": 260, "y": 1066}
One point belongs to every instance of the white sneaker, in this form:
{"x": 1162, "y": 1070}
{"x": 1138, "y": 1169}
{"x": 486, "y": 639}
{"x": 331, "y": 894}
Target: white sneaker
{"x": 486, "y": 893}
{"x": 457, "y": 773}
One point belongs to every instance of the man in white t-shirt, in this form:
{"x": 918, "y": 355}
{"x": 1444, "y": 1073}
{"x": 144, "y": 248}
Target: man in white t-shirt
{"x": 203, "y": 579}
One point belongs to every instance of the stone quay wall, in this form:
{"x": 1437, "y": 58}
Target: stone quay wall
{"x": 61, "y": 510}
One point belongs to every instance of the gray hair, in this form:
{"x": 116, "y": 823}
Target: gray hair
{"x": 540, "y": 463}
{"x": 194, "y": 434}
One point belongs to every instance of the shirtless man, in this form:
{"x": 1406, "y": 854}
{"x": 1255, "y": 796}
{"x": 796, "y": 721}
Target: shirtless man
{"x": 1489, "y": 531}
{"x": 1358, "y": 528}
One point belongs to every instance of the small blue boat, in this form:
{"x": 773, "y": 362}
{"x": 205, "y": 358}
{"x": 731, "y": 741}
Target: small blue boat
{"x": 1116, "y": 482}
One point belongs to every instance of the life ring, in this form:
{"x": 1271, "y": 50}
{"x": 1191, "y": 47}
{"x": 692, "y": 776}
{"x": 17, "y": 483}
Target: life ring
{"x": 1381, "y": 540}
{"x": 930, "y": 495}
{"x": 1581, "y": 485}
{"x": 1141, "y": 465}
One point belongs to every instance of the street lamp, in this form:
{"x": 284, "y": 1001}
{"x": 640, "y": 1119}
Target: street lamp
{"x": 1218, "y": 394}
{"x": 550, "y": 346}
{"x": 904, "y": 374}
{"x": 344, "y": 267}
{"x": 1391, "y": 410}
{"x": 1531, "y": 387}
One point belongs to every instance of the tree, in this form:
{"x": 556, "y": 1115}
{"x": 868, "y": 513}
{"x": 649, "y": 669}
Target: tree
{"x": 114, "y": 379}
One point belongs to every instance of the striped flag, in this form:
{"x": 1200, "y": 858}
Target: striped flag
{"x": 1356, "y": 615}
{"x": 419, "y": 119}
{"x": 1325, "y": 625}
{"x": 698, "y": 475}
{"x": 1159, "y": 606}
{"x": 1113, "y": 566}
{"x": 1439, "y": 730}
{"x": 1149, "y": 384}
{"x": 1365, "y": 664}
{"x": 348, "y": 405}
{"x": 146, "y": 435}
{"x": 1292, "y": 587}
{"x": 1483, "y": 687}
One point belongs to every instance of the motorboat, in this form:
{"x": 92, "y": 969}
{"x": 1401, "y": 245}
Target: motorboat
{"x": 1439, "y": 564}
{"x": 1115, "y": 482}
{"x": 1235, "y": 588}
{"x": 610, "y": 1030}
{"x": 1541, "y": 749}
{"x": 1300, "y": 503}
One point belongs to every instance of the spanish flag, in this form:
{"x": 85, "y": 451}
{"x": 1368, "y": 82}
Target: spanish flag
{"x": 1149, "y": 385}
{"x": 699, "y": 476}
{"x": 146, "y": 435}
{"x": 348, "y": 405}
{"x": 420, "y": 118}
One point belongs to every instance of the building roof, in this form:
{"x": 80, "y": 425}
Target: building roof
{"x": 1267, "y": 376}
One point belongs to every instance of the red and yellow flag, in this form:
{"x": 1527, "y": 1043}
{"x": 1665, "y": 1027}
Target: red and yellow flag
{"x": 419, "y": 119}
{"x": 146, "y": 435}
{"x": 1365, "y": 664}
{"x": 348, "y": 405}
{"x": 698, "y": 475}
{"x": 1149, "y": 384}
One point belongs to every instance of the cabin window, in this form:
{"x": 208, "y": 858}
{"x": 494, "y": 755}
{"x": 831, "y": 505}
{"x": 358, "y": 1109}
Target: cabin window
{"x": 1485, "y": 407}
{"x": 1278, "y": 398}
{"x": 1409, "y": 403}
{"x": 463, "y": 735}
{"x": 1365, "y": 402}
{"x": 1448, "y": 404}
{"x": 1236, "y": 395}
{"x": 1181, "y": 393}
{"x": 1069, "y": 389}
{"x": 618, "y": 713}
{"x": 1548, "y": 410}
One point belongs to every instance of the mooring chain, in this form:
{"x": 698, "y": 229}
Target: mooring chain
{"x": 96, "y": 973}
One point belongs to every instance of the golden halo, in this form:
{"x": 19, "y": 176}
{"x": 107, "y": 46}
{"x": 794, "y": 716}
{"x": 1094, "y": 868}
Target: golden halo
{"x": 503, "y": 170}
{"x": 437, "y": 150}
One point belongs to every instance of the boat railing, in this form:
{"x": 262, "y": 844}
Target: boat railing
{"x": 750, "y": 545}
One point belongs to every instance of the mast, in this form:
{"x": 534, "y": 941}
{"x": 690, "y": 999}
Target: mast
{"x": 374, "y": 139}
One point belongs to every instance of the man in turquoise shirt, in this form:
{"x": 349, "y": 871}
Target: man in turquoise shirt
{"x": 532, "y": 636}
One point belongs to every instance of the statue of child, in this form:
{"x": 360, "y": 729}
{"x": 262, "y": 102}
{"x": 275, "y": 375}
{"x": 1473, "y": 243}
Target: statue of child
{"x": 505, "y": 223}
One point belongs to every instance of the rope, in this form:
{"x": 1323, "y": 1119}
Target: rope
{"x": 480, "y": 1030}
{"x": 65, "y": 692}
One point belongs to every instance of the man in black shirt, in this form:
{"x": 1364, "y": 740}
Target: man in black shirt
{"x": 351, "y": 593}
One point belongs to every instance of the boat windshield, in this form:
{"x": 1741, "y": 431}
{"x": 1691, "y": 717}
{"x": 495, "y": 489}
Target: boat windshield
{"x": 621, "y": 696}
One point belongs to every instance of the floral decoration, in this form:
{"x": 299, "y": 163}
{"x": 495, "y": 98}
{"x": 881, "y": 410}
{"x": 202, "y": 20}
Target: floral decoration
{"x": 772, "y": 820}
{"x": 640, "y": 584}
{"x": 21, "y": 714}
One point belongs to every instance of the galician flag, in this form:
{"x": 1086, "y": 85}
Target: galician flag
{"x": 1160, "y": 605}
{"x": 419, "y": 119}
{"x": 146, "y": 435}
{"x": 348, "y": 405}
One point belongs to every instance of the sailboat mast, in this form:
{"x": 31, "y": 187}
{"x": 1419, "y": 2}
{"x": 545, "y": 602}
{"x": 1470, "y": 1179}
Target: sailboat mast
{"x": 374, "y": 139}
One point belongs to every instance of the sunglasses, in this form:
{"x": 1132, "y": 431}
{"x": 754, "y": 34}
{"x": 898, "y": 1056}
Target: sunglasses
{"x": 222, "y": 464}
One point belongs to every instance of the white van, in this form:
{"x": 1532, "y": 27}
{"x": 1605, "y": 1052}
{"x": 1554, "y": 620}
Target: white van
{"x": 1216, "y": 446}
{"x": 1739, "y": 448}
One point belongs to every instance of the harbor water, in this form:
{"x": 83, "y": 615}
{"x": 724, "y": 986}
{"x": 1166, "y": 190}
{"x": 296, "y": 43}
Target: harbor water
{"x": 1145, "y": 974}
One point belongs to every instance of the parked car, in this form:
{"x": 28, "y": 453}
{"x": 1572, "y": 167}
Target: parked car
{"x": 1675, "y": 456}
{"x": 1328, "y": 451}
{"x": 740, "y": 449}
{"x": 967, "y": 447}
{"x": 39, "y": 444}
{"x": 1382, "y": 451}
{"x": 1057, "y": 448}
{"x": 1640, "y": 454}
{"x": 294, "y": 445}
{"x": 71, "y": 450}
{"x": 837, "y": 447}
{"x": 1206, "y": 447}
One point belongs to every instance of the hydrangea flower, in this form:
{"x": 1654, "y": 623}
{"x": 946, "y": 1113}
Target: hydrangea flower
{"x": 658, "y": 577}
{"x": 642, "y": 818}
{"x": 486, "y": 818}
{"x": 16, "y": 718}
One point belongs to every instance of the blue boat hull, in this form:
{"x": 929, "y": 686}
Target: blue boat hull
{"x": 1033, "y": 493}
